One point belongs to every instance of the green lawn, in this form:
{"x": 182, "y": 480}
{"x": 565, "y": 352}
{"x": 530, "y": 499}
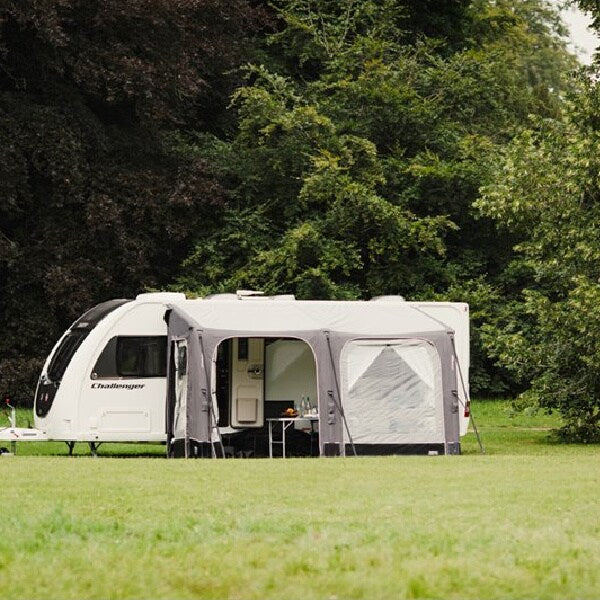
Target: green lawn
{"x": 520, "y": 522}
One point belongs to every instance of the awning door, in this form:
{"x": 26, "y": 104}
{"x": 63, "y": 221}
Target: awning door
{"x": 392, "y": 391}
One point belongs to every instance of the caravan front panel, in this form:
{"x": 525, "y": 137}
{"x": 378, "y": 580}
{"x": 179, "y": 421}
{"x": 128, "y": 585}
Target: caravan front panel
{"x": 110, "y": 385}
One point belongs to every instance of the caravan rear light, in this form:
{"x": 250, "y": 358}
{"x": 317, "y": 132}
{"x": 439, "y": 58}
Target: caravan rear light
{"x": 468, "y": 408}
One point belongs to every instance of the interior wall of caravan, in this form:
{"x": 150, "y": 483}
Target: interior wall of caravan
{"x": 290, "y": 372}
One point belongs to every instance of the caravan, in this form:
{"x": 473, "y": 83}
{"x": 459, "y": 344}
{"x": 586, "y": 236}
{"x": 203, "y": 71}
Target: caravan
{"x": 382, "y": 376}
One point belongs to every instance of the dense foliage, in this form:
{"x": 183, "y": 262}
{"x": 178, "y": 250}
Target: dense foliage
{"x": 545, "y": 192}
{"x": 93, "y": 202}
{"x": 361, "y": 146}
{"x": 331, "y": 149}
{"x": 548, "y": 189}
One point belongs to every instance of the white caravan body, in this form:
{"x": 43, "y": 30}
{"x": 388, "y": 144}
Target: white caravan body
{"x": 92, "y": 402}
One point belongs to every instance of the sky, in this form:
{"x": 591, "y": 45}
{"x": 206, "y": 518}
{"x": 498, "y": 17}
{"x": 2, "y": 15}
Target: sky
{"x": 583, "y": 40}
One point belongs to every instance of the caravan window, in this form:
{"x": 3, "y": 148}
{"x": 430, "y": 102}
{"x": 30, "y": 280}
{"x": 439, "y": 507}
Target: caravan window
{"x": 132, "y": 357}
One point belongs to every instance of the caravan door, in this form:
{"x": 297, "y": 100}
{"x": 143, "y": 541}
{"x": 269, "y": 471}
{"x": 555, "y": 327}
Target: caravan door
{"x": 247, "y": 382}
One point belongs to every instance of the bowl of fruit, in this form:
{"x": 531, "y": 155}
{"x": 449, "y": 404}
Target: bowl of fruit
{"x": 289, "y": 413}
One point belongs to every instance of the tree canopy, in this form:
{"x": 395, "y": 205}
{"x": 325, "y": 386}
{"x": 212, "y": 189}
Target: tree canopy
{"x": 93, "y": 202}
{"x": 361, "y": 146}
{"x": 546, "y": 188}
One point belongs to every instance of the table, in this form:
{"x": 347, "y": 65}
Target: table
{"x": 286, "y": 422}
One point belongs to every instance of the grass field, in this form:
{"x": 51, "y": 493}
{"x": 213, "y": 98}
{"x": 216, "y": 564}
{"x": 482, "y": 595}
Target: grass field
{"x": 521, "y": 521}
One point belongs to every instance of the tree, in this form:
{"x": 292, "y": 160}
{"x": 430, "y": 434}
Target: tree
{"x": 363, "y": 139}
{"x": 546, "y": 189}
{"x": 95, "y": 202}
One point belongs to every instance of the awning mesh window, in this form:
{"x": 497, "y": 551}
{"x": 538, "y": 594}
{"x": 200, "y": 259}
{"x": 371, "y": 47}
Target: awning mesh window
{"x": 392, "y": 391}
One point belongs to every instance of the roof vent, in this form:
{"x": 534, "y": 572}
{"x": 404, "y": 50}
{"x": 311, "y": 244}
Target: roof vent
{"x": 388, "y": 299}
{"x": 248, "y": 293}
{"x": 161, "y": 297}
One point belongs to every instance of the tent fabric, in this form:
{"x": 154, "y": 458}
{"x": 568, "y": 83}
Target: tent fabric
{"x": 327, "y": 327}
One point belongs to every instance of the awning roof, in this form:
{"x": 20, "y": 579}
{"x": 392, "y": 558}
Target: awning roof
{"x": 277, "y": 316}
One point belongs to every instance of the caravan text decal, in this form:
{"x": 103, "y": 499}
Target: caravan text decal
{"x": 117, "y": 386}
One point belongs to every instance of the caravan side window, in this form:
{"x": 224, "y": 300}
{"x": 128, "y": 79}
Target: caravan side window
{"x": 132, "y": 357}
